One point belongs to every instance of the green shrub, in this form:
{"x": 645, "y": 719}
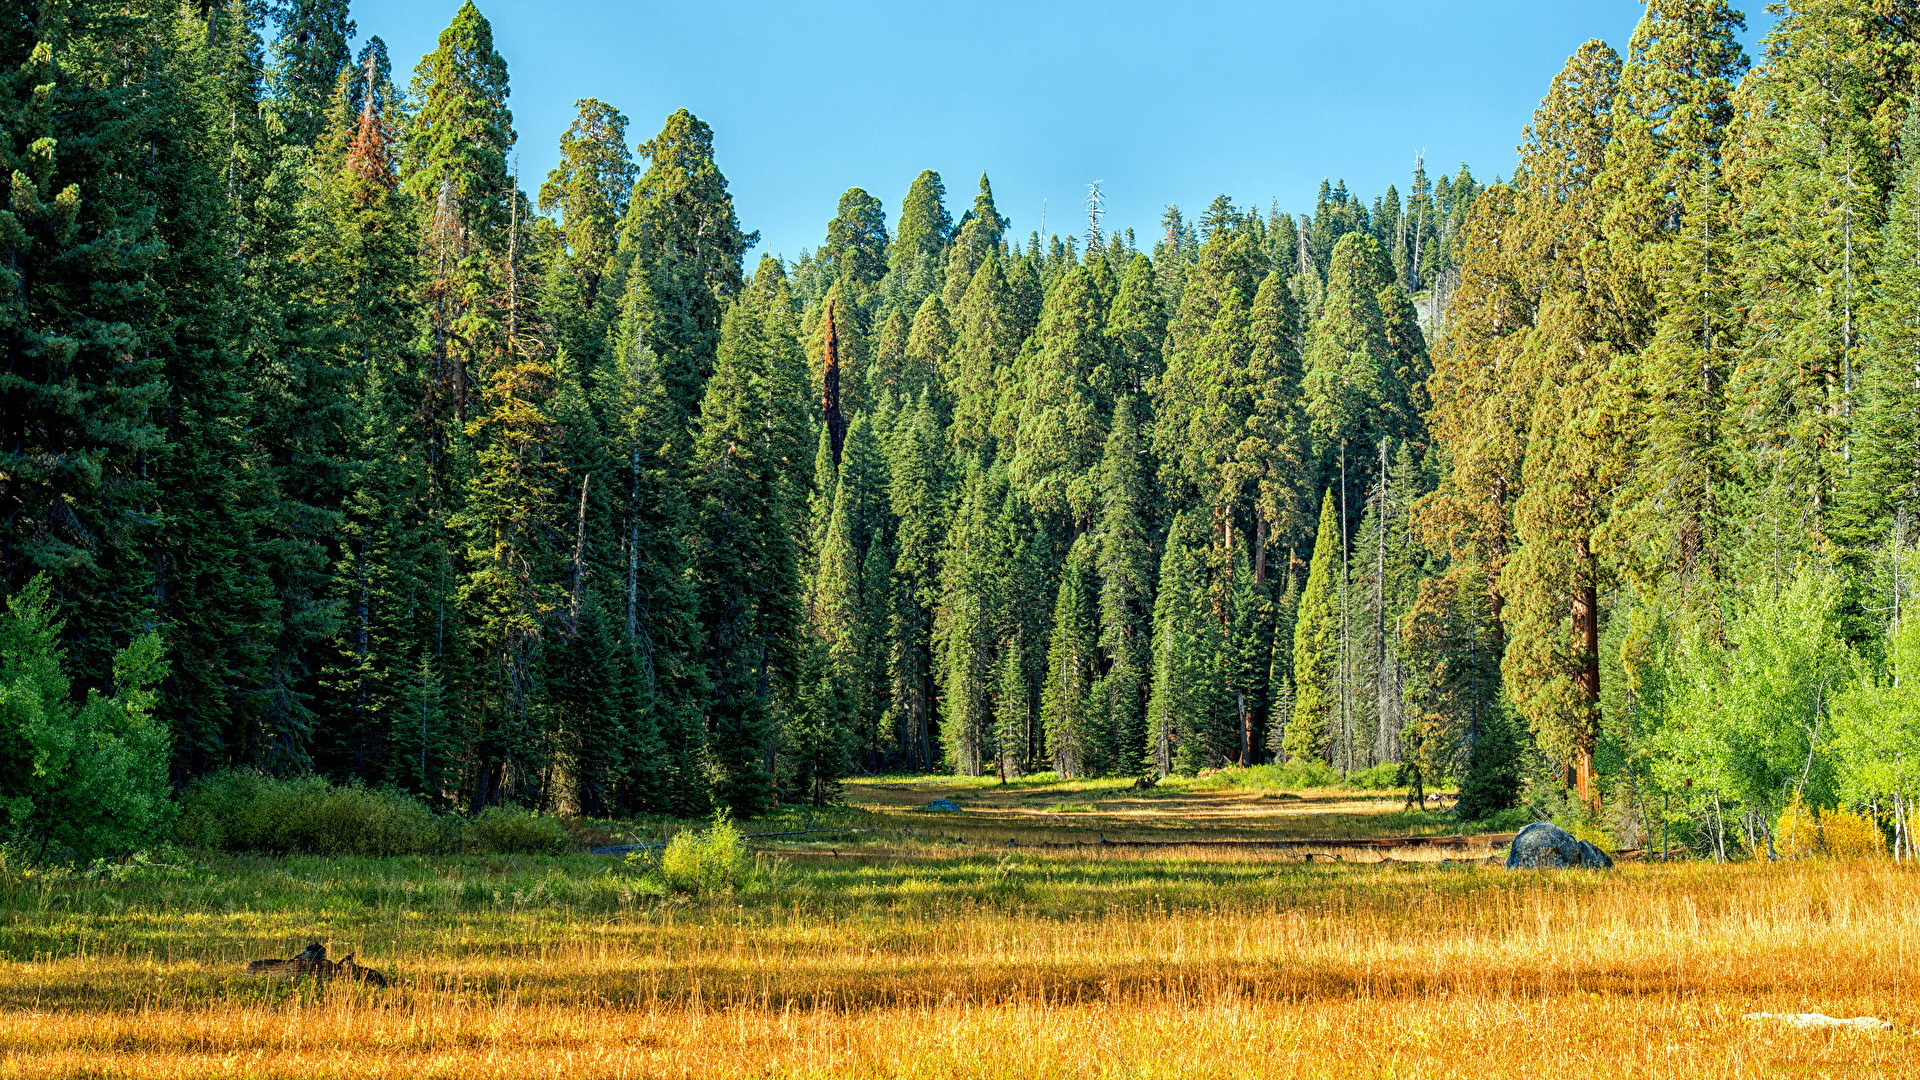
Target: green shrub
{"x": 82, "y": 775}
{"x": 707, "y": 862}
{"x": 510, "y": 830}
{"x": 1382, "y": 777}
{"x": 242, "y": 810}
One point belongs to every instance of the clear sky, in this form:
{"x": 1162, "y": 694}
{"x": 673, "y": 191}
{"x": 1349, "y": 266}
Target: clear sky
{"x": 1161, "y": 102}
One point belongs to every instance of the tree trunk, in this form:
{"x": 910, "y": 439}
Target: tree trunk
{"x": 1586, "y": 628}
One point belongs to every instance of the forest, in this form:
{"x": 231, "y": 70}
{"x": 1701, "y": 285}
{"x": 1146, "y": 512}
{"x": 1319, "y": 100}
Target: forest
{"x": 328, "y": 446}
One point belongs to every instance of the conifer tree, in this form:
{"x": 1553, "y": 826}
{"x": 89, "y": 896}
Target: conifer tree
{"x": 746, "y": 456}
{"x": 1124, "y": 562}
{"x": 1184, "y": 728}
{"x": 987, "y": 341}
{"x": 856, "y": 249}
{"x": 79, "y": 411}
{"x": 589, "y": 189}
{"x": 979, "y": 235}
{"x": 852, "y": 598}
{"x": 1137, "y": 324}
{"x": 969, "y": 603}
{"x": 1068, "y": 709}
{"x": 1666, "y": 229}
{"x": 1885, "y": 485}
{"x": 310, "y": 51}
{"x": 918, "y": 253}
{"x": 683, "y": 244}
{"x": 918, "y": 498}
{"x": 1316, "y": 643}
{"x": 927, "y": 361}
{"x": 1060, "y": 405}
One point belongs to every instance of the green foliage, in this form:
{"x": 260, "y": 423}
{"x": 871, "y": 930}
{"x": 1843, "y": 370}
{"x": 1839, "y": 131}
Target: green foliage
{"x": 712, "y": 861}
{"x": 1748, "y": 722}
{"x": 243, "y": 810}
{"x": 1491, "y": 780}
{"x": 81, "y": 776}
{"x": 1315, "y": 648}
{"x": 510, "y": 830}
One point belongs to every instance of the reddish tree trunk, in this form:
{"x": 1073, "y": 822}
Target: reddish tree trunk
{"x": 1586, "y": 628}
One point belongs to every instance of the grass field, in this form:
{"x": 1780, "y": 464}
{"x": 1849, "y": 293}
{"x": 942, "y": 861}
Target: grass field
{"x": 955, "y": 946}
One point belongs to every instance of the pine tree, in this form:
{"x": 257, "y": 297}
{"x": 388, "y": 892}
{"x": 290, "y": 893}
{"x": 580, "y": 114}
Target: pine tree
{"x": 918, "y": 254}
{"x": 1124, "y": 562}
{"x": 979, "y": 235}
{"x": 745, "y": 567}
{"x": 682, "y": 242}
{"x": 928, "y": 358}
{"x": 1316, "y": 643}
{"x": 1666, "y": 228}
{"x": 856, "y": 249}
{"x": 79, "y": 406}
{"x": 1061, "y": 408}
{"x": 1137, "y": 324}
{"x": 589, "y": 190}
{"x": 647, "y": 470}
{"x": 968, "y": 628}
{"x": 987, "y": 342}
{"x": 1068, "y": 708}
{"x": 918, "y": 468}
{"x": 1885, "y": 484}
{"x": 1184, "y": 721}
{"x": 310, "y": 52}
{"x": 852, "y": 599}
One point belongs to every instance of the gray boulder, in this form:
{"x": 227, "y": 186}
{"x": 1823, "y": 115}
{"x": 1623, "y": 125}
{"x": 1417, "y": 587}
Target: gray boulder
{"x": 1546, "y": 846}
{"x": 942, "y": 806}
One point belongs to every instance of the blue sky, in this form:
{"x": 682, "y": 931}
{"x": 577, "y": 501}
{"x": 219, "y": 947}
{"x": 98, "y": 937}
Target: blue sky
{"x": 1161, "y": 102}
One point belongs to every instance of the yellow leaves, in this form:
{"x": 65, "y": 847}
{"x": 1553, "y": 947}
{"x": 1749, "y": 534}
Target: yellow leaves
{"x": 1841, "y": 833}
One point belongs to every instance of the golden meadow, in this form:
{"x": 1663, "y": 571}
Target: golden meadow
{"x": 958, "y": 947}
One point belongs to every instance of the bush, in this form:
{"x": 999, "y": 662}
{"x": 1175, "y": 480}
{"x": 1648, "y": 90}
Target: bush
{"x": 1849, "y": 834}
{"x": 1797, "y": 833}
{"x": 1595, "y": 835}
{"x": 82, "y": 775}
{"x": 707, "y": 862}
{"x": 510, "y": 830}
{"x": 1381, "y": 777}
{"x": 242, "y": 810}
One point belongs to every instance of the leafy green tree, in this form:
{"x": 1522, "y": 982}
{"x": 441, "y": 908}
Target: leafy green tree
{"x": 81, "y": 775}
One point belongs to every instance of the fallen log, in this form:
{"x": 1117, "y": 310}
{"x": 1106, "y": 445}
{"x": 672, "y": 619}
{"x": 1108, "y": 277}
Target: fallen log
{"x": 313, "y": 961}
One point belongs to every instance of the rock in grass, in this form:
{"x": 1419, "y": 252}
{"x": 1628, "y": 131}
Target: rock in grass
{"x": 1546, "y": 846}
{"x": 942, "y": 806}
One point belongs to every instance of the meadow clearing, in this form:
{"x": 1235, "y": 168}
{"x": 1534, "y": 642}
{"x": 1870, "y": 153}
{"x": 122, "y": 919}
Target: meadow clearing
{"x": 953, "y": 946}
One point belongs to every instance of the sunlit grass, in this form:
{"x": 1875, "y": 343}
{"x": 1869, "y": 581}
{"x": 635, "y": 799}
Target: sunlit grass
{"x": 928, "y": 956}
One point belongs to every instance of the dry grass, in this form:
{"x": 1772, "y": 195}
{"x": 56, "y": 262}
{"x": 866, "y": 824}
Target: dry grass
{"x": 948, "y": 962}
